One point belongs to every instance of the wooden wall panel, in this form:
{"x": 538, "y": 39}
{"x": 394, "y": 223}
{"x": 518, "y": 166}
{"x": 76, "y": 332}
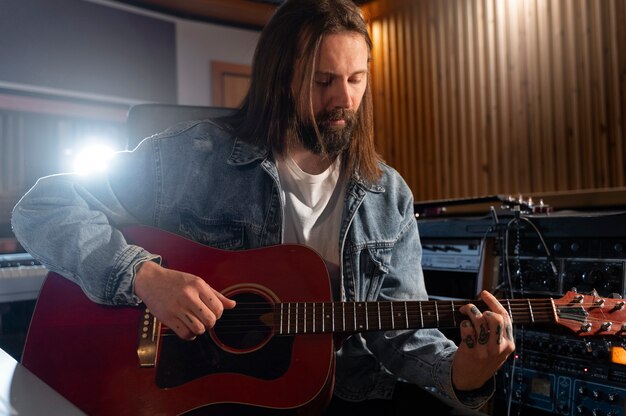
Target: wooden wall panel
{"x": 478, "y": 97}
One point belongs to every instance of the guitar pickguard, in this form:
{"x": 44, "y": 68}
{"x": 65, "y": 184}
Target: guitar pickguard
{"x": 240, "y": 343}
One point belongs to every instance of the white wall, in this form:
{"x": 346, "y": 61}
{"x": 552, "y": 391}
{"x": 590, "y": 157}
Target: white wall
{"x": 197, "y": 44}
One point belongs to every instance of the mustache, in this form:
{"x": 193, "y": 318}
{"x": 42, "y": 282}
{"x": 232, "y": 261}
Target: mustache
{"x": 325, "y": 118}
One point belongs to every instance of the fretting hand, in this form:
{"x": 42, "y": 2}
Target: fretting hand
{"x": 486, "y": 343}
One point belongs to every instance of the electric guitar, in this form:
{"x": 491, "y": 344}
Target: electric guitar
{"x": 272, "y": 353}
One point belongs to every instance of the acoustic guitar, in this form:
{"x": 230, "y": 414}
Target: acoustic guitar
{"x": 273, "y": 353}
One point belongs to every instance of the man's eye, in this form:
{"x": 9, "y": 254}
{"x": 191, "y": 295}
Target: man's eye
{"x": 322, "y": 82}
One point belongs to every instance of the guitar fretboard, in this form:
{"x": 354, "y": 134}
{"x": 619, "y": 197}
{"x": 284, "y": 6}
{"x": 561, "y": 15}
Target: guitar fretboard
{"x": 323, "y": 317}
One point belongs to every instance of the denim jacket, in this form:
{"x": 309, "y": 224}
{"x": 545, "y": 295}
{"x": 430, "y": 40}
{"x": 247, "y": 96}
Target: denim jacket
{"x": 198, "y": 181}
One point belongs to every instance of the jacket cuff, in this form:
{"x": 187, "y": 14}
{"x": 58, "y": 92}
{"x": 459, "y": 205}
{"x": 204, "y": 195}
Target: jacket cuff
{"x": 121, "y": 284}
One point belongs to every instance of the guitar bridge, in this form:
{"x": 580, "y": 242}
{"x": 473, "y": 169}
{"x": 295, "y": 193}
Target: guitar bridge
{"x": 149, "y": 329}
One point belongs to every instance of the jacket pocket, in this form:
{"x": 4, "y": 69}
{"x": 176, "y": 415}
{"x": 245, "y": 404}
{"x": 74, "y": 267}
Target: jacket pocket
{"x": 373, "y": 263}
{"x": 217, "y": 233}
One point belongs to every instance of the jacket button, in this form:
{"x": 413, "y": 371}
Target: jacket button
{"x": 272, "y": 228}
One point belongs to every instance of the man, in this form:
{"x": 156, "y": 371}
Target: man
{"x": 295, "y": 164}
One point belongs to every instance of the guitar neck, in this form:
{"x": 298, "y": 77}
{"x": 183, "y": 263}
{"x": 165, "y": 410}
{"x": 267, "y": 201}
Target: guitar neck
{"x": 349, "y": 317}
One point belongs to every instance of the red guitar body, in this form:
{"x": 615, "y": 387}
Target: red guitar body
{"x": 89, "y": 352}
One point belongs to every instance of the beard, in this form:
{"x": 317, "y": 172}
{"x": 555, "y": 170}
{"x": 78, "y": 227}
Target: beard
{"x": 332, "y": 140}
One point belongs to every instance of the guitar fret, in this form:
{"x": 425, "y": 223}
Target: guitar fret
{"x": 421, "y": 314}
{"x": 286, "y": 319}
{"x": 508, "y": 304}
{"x": 437, "y": 313}
{"x": 332, "y": 313}
{"x": 379, "y": 322}
{"x": 553, "y": 308}
{"x": 453, "y": 314}
{"x": 352, "y": 319}
{"x": 367, "y": 318}
{"x": 408, "y": 310}
{"x": 389, "y": 321}
{"x": 427, "y": 314}
{"x": 282, "y": 312}
{"x": 311, "y": 318}
{"x": 406, "y": 315}
{"x": 323, "y": 323}
{"x": 343, "y": 316}
{"x": 350, "y": 315}
{"x": 294, "y": 329}
{"x": 320, "y": 322}
{"x": 308, "y": 322}
{"x": 530, "y": 310}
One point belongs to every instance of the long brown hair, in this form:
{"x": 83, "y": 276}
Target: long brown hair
{"x": 268, "y": 115}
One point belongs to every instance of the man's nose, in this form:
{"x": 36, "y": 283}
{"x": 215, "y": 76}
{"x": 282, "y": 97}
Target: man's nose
{"x": 341, "y": 96}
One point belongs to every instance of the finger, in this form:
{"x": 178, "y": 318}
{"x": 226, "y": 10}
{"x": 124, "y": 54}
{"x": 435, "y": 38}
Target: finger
{"x": 205, "y": 310}
{"x": 226, "y": 302}
{"x": 468, "y": 334}
{"x": 193, "y": 323}
{"x": 494, "y": 323}
{"x": 180, "y": 329}
{"x": 211, "y": 307}
{"x": 212, "y": 300}
{"x": 494, "y": 304}
{"x": 471, "y": 311}
{"x": 478, "y": 322}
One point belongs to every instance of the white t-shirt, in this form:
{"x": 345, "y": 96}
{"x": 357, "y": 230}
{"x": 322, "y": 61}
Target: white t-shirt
{"x": 313, "y": 208}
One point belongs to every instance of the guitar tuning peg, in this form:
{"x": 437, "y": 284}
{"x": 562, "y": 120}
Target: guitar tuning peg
{"x": 594, "y": 293}
{"x": 606, "y": 326}
{"x": 614, "y": 296}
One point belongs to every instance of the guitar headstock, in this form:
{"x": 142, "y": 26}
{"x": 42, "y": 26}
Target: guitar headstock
{"x": 592, "y": 314}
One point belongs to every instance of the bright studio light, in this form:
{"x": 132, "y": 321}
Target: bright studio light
{"x": 94, "y": 158}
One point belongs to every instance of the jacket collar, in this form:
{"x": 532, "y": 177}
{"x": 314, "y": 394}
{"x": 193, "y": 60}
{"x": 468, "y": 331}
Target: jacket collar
{"x": 244, "y": 153}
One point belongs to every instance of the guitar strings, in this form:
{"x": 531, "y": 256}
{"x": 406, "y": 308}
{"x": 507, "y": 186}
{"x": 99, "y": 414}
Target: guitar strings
{"x": 299, "y": 317}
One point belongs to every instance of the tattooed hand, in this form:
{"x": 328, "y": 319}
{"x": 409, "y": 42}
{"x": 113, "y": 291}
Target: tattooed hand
{"x": 486, "y": 343}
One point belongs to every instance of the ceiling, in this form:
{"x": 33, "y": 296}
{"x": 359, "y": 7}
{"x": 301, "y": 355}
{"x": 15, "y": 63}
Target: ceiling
{"x": 249, "y": 14}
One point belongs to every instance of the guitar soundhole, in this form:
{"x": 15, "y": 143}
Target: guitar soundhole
{"x": 240, "y": 343}
{"x": 241, "y": 329}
